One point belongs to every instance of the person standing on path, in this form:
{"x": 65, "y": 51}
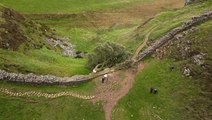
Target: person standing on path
{"x": 105, "y": 77}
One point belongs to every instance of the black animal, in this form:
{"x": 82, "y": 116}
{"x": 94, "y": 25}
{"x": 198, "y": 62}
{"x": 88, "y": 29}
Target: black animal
{"x": 172, "y": 68}
{"x": 153, "y": 90}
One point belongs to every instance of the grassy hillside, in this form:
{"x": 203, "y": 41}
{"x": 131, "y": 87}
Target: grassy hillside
{"x": 16, "y": 31}
{"x": 173, "y": 92}
{"x": 66, "y": 6}
{"x": 95, "y": 22}
{"x": 178, "y": 97}
{"x": 63, "y": 108}
{"x": 168, "y": 20}
{"x": 23, "y": 48}
{"x": 41, "y": 61}
{"x": 82, "y": 31}
{"x": 201, "y": 41}
{"x": 115, "y": 25}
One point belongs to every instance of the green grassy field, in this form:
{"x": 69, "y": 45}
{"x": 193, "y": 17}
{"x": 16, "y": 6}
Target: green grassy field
{"x": 80, "y": 30}
{"x": 174, "y": 91}
{"x": 169, "y": 20}
{"x": 25, "y": 108}
{"x": 178, "y": 97}
{"x": 90, "y": 36}
{"x": 41, "y": 61}
{"x": 49, "y": 109}
{"x": 87, "y": 39}
{"x": 66, "y": 6}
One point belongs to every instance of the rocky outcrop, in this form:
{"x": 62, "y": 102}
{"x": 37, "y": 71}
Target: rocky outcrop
{"x": 188, "y": 2}
{"x": 18, "y": 31}
{"x": 173, "y": 34}
{"x": 183, "y": 50}
{"x": 67, "y": 48}
{"x": 198, "y": 59}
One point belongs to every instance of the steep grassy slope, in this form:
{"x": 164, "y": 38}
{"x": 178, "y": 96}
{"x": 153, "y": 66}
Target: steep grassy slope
{"x": 23, "y": 48}
{"x": 175, "y": 90}
{"x": 81, "y": 31}
{"x": 17, "y": 31}
{"x": 116, "y": 25}
{"x": 171, "y": 19}
{"x": 198, "y": 60}
{"x": 178, "y": 97}
{"x": 41, "y": 61}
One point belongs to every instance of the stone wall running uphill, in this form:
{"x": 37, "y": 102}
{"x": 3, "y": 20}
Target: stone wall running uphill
{"x": 172, "y": 34}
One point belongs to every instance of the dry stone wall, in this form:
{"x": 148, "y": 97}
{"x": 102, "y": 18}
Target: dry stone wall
{"x": 188, "y": 2}
{"x": 78, "y": 79}
{"x": 169, "y": 36}
{"x": 43, "y": 79}
{"x": 49, "y": 79}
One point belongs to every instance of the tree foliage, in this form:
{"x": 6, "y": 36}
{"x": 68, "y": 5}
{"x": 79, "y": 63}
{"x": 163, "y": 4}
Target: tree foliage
{"x": 107, "y": 55}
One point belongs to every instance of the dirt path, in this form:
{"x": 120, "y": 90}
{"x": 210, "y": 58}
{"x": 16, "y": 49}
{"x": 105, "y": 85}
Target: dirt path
{"x": 143, "y": 44}
{"x": 118, "y": 84}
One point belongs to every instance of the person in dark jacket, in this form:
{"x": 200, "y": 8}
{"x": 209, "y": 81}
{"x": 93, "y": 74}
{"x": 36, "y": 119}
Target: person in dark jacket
{"x": 104, "y": 78}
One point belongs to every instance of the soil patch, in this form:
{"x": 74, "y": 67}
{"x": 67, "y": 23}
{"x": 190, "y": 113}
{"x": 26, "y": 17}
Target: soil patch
{"x": 118, "y": 85}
